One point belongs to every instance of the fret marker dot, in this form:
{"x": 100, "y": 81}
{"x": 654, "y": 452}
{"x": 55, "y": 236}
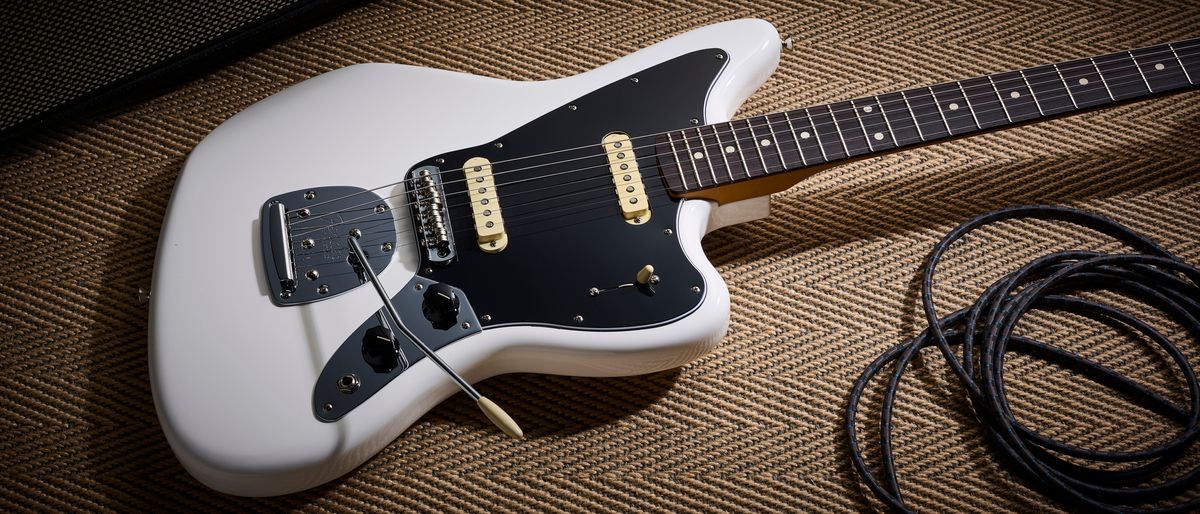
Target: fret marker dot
{"x": 730, "y": 149}
{"x": 953, "y": 107}
{"x": 804, "y": 135}
{"x": 1015, "y": 94}
{"x": 879, "y": 136}
{"x": 1159, "y": 67}
{"x": 1083, "y": 82}
{"x": 867, "y": 109}
{"x": 698, "y": 155}
{"x": 766, "y": 142}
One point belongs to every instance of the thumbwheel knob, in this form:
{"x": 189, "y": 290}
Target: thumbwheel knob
{"x": 440, "y": 306}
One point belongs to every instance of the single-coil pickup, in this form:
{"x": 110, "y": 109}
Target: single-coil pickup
{"x": 485, "y": 205}
{"x": 628, "y": 181}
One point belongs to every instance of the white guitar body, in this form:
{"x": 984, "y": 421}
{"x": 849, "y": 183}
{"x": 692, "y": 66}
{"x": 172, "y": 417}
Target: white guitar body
{"x": 233, "y": 373}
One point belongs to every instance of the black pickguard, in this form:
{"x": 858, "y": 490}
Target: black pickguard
{"x": 565, "y": 229}
{"x": 566, "y": 233}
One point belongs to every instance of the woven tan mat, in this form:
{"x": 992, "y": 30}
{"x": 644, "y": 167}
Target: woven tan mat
{"x": 819, "y": 288}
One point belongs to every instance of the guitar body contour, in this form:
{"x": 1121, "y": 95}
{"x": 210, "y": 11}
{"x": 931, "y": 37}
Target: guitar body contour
{"x": 237, "y": 377}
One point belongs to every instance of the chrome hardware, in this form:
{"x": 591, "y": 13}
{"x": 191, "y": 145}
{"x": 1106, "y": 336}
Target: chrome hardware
{"x": 348, "y": 383}
{"x": 299, "y": 237}
{"x": 279, "y": 236}
{"x": 430, "y": 215}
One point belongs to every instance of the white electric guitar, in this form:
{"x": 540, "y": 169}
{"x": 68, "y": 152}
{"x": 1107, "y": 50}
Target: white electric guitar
{"x": 547, "y": 227}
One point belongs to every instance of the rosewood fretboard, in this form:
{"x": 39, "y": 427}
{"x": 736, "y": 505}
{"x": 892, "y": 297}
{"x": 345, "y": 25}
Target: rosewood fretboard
{"x": 707, "y": 156}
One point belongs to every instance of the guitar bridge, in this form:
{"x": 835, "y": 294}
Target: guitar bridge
{"x": 430, "y": 214}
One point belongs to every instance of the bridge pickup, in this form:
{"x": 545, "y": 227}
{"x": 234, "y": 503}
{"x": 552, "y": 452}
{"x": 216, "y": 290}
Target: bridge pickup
{"x": 622, "y": 162}
{"x": 485, "y": 205}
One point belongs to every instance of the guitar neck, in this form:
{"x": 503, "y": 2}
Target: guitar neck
{"x": 697, "y": 161}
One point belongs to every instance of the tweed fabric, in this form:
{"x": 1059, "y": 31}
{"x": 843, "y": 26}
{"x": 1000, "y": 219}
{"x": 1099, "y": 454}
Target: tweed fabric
{"x": 819, "y": 288}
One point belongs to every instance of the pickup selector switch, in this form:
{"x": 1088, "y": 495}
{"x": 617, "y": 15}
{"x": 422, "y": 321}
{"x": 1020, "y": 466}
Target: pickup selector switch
{"x": 440, "y": 306}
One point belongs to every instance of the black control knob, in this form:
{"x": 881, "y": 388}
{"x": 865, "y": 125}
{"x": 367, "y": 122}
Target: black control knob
{"x": 440, "y": 306}
{"x": 380, "y": 350}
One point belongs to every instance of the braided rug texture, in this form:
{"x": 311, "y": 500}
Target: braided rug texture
{"x": 819, "y": 288}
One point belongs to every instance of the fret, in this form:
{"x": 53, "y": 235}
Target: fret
{"x": 1064, "y": 83}
{"x": 1102, "y": 81}
{"x": 809, "y": 141}
{"x": 1036, "y": 103}
{"x": 760, "y": 143}
{"x": 904, "y": 123}
{"x": 1000, "y": 98}
{"x": 676, "y": 179}
{"x": 693, "y": 156}
{"x": 912, "y": 114}
{"x": 789, "y": 153}
{"x": 1015, "y": 96}
{"x": 952, "y": 105}
{"x": 1188, "y": 55}
{"x": 875, "y": 123}
{"x": 1138, "y": 67}
{"x": 863, "y": 126}
{"x": 1084, "y": 83}
{"x": 827, "y": 134}
{"x": 1160, "y": 68}
{"x": 1049, "y": 90}
{"x": 710, "y": 154}
{"x": 967, "y": 99}
{"x": 926, "y": 113}
{"x": 985, "y": 103}
{"x": 751, "y": 158}
{"x": 854, "y": 138}
{"x": 795, "y": 138}
{"x": 713, "y": 136}
{"x": 737, "y": 160}
{"x": 1118, "y": 73}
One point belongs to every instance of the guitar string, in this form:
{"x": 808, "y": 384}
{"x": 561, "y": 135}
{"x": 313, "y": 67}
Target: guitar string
{"x": 769, "y": 125}
{"x": 606, "y": 186}
{"x": 901, "y": 141}
{"x": 655, "y": 187}
{"x": 1175, "y": 55}
{"x": 918, "y": 119}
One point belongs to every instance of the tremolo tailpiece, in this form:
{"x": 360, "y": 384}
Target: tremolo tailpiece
{"x": 303, "y": 235}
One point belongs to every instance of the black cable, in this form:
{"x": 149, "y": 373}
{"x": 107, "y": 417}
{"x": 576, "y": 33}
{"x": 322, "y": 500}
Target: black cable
{"x": 984, "y": 332}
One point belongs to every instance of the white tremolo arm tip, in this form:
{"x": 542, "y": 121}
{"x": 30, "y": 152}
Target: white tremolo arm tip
{"x": 500, "y": 418}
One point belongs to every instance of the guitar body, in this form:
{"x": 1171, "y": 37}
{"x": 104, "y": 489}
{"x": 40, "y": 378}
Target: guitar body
{"x": 241, "y": 381}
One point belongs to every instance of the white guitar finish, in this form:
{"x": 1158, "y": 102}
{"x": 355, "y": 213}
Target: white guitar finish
{"x": 233, "y": 374}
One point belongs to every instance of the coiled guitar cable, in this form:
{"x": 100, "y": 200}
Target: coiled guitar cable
{"x": 974, "y": 342}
